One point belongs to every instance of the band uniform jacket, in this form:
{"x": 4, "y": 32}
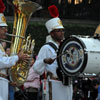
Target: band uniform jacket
{"x": 5, "y": 63}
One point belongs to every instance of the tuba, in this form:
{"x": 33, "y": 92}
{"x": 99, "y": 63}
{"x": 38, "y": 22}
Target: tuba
{"x": 22, "y": 13}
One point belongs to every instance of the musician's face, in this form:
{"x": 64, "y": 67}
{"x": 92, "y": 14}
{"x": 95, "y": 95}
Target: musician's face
{"x": 8, "y": 51}
{"x": 57, "y": 34}
{"x": 3, "y": 31}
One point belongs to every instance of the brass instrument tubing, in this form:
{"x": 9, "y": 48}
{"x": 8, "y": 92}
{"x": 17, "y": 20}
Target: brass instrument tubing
{"x": 18, "y": 32}
{"x": 32, "y": 44}
{"x": 5, "y": 41}
{"x": 15, "y": 35}
{"x": 28, "y": 46}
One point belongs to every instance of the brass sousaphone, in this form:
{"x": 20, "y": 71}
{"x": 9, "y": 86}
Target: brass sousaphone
{"x": 22, "y": 13}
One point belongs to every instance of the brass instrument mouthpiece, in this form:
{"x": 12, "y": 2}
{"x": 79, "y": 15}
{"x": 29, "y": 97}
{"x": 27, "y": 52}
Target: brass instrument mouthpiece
{"x": 5, "y": 41}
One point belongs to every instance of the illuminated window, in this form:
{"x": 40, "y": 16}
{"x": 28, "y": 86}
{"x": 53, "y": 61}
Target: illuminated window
{"x": 59, "y": 1}
{"x": 76, "y": 2}
{"x": 69, "y": 1}
{"x": 81, "y": 1}
{"x": 89, "y": 1}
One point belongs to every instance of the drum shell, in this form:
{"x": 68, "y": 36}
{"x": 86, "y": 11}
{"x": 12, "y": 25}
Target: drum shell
{"x": 93, "y": 52}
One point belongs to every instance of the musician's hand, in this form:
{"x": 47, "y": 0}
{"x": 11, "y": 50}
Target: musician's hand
{"x": 49, "y": 60}
{"x": 13, "y": 83}
{"x": 32, "y": 62}
{"x": 23, "y": 57}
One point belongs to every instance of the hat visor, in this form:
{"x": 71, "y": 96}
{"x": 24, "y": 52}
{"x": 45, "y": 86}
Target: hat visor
{"x": 58, "y": 27}
{"x": 3, "y": 24}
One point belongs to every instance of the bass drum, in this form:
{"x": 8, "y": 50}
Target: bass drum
{"x": 78, "y": 54}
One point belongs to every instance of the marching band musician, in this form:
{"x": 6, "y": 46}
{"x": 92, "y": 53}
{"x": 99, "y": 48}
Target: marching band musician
{"x": 6, "y": 62}
{"x": 45, "y": 62}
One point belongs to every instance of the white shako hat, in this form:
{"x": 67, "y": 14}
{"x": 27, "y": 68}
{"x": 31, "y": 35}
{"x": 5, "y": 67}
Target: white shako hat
{"x": 2, "y": 20}
{"x": 54, "y": 23}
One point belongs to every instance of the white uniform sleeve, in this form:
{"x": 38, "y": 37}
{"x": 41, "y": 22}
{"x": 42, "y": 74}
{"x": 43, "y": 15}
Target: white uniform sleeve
{"x": 7, "y": 62}
{"x": 39, "y": 65}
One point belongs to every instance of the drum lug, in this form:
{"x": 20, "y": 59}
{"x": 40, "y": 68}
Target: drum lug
{"x": 66, "y": 80}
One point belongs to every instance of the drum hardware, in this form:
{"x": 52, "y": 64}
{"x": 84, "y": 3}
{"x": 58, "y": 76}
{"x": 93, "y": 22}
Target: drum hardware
{"x": 89, "y": 75}
{"x": 80, "y": 36}
{"x": 66, "y": 80}
{"x": 62, "y": 77}
{"x": 92, "y": 52}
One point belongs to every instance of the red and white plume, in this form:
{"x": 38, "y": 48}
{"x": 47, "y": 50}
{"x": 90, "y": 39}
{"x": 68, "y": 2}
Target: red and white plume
{"x": 2, "y": 6}
{"x": 53, "y": 10}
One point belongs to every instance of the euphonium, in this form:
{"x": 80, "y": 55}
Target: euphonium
{"x": 23, "y": 12}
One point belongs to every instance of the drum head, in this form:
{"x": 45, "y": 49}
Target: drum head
{"x": 72, "y": 58}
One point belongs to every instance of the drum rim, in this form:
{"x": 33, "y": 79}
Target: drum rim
{"x": 77, "y": 39}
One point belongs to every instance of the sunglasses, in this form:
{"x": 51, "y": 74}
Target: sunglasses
{"x": 3, "y": 27}
{"x": 59, "y": 30}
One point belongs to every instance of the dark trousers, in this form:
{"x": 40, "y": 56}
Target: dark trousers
{"x": 32, "y": 95}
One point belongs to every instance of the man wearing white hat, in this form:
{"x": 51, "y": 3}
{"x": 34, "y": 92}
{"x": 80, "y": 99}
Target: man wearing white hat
{"x": 6, "y": 62}
{"x": 46, "y": 62}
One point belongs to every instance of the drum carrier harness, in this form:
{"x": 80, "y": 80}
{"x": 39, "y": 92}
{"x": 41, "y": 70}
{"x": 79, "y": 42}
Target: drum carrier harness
{"x": 66, "y": 80}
